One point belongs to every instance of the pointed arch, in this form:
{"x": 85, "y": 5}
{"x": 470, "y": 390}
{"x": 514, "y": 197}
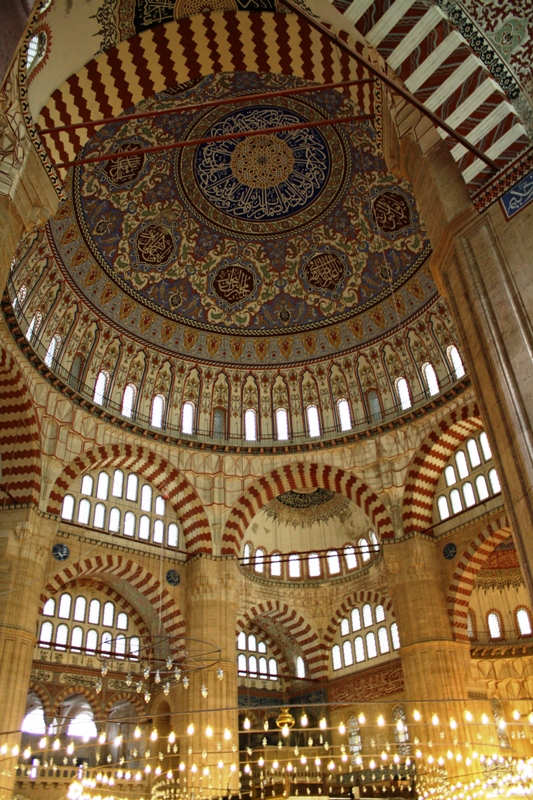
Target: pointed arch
{"x": 44, "y": 696}
{"x": 91, "y": 697}
{"x": 140, "y": 587}
{"x": 165, "y": 477}
{"x": 132, "y": 698}
{"x": 20, "y": 441}
{"x": 299, "y": 476}
{"x": 429, "y": 461}
{"x": 468, "y": 566}
{"x": 293, "y": 626}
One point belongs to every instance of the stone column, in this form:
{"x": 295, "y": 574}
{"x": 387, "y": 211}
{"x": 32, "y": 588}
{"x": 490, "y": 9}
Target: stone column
{"x": 211, "y": 616}
{"x": 25, "y": 541}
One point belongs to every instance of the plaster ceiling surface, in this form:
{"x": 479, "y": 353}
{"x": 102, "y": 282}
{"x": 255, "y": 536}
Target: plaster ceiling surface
{"x": 299, "y": 236}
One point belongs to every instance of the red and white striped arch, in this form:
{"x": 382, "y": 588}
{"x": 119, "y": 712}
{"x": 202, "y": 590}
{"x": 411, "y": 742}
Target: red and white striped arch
{"x": 294, "y": 626}
{"x": 141, "y": 585}
{"x": 464, "y": 576}
{"x": 20, "y": 441}
{"x": 302, "y": 476}
{"x": 429, "y": 461}
{"x": 166, "y": 478}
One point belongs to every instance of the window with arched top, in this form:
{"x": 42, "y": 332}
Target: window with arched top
{"x": 430, "y": 378}
{"x": 300, "y": 667}
{"x": 334, "y": 564}
{"x": 158, "y": 411}
{"x": 469, "y": 476}
{"x": 379, "y": 640}
{"x": 404, "y": 395}
{"x": 246, "y": 554}
{"x": 128, "y": 400}
{"x": 65, "y": 603}
{"x": 84, "y": 512}
{"x": 313, "y": 421}
{"x": 99, "y": 516}
{"x": 523, "y": 621}
{"x": 249, "y": 664}
{"x": 52, "y": 352}
{"x": 294, "y": 565}
{"x": 345, "y": 417}
{"x": 313, "y": 565}
{"x": 33, "y": 327}
{"x": 132, "y": 487}
{"x": 187, "y": 418}
{"x": 259, "y": 560}
{"x": 250, "y": 425}
{"x": 18, "y": 301}
{"x": 102, "y": 486}
{"x": 373, "y": 405}
{"x": 275, "y": 565}
{"x": 67, "y": 509}
{"x": 219, "y": 423}
{"x": 364, "y": 549}
{"x": 456, "y": 361}
{"x": 336, "y": 658}
{"x": 118, "y": 483}
{"x": 100, "y": 387}
{"x": 350, "y": 557}
{"x": 76, "y": 370}
{"x": 146, "y": 498}
{"x": 494, "y": 624}
{"x": 282, "y": 424}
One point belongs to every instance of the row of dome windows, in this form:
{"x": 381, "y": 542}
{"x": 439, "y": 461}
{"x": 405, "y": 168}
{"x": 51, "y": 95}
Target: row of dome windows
{"x": 103, "y": 484}
{"x": 366, "y": 648}
{"x": 495, "y": 625}
{"x": 90, "y": 642}
{"x": 251, "y": 420}
{"x": 313, "y": 565}
{"x": 253, "y": 667}
{"x": 468, "y": 488}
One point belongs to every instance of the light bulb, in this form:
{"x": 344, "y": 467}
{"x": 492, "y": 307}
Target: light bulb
{"x": 169, "y": 663}
{"x": 318, "y": 762}
{"x": 418, "y": 753}
{"x": 153, "y": 735}
{"x": 221, "y": 764}
{"x": 303, "y": 760}
{"x": 206, "y": 771}
{"x": 194, "y": 768}
{"x": 275, "y": 764}
{"x": 101, "y": 738}
{"x": 186, "y": 682}
{"x": 157, "y": 770}
{"x": 118, "y": 740}
{"x": 453, "y": 724}
{"x": 396, "y": 758}
{"x": 148, "y": 769}
{"x": 147, "y": 697}
{"x": 171, "y": 737}
{"x": 27, "y": 752}
{"x": 372, "y": 764}
{"x": 484, "y": 719}
{"x": 177, "y": 673}
{"x": 361, "y": 718}
{"x": 70, "y": 748}
{"x": 435, "y": 719}
{"x": 265, "y": 725}
{"x": 384, "y": 756}
{"x": 344, "y": 757}
{"x": 227, "y": 734}
{"x": 285, "y": 730}
{"x": 104, "y": 669}
{"x": 146, "y": 673}
{"x": 209, "y": 731}
{"x": 157, "y": 678}
{"x": 137, "y": 732}
{"x": 220, "y": 673}
{"x": 430, "y": 759}
{"x": 233, "y": 767}
{"x": 261, "y": 761}
{"x": 182, "y": 766}
{"x": 530, "y": 718}
{"x": 43, "y": 742}
{"x": 128, "y": 679}
{"x": 323, "y": 724}
{"x": 190, "y": 729}
{"x": 246, "y": 724}
{"x": 416, "y": 715}
{"x": 247, "y": 769}
{"x": 166, "y": 688}
{"x": 57, "y": 744}
{"x": 204, "y": 690}
{"x": 381, "y": 721}
{"x": 98, "y": 687}
{"x": 289, "y": 767}
{"x": 139, "y": 687}
{"x": 304, "y": 721}
{"x": 400, "y": 726}
{"x": 516, "y": 714}
{"x": 468, "y": 716}
{"x": 342, "y": 729}
{"x": 502, "y": 724}
{"x": 15, "y": 750}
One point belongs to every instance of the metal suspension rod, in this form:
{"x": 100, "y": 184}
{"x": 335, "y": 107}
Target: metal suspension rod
{"x": 208, "y": 139}
{"x": 207, "y": 104}
{"x": 378, "y": 73}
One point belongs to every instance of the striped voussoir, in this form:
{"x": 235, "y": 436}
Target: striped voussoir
{"x": 300, "y": 476}
{"x": 429, "y": 461}
{"x": 187, "y": 50}
{"x": 363, "y": 596}
{"x": 20, "y": 446}
{"x": 45, "y": 699}
{"x": 294, "y": 626}
{"x": 469, "y": 564}
{"x": 133, "y": 700}
{"x": 134, "y": 575}
{"x": 169, "y": 481}
{"x": 89, "y": 694}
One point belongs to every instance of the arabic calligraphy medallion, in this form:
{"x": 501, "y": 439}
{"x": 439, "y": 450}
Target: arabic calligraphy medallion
{"x": 154, "y": 245}
{"x": 120, "y": 172}
{"x": 233, "y": 284}
{"x": 324, "y": 272}
{"x": 391, "y": 212}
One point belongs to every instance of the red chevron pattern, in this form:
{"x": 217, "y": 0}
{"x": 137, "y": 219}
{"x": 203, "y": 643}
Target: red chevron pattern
{"x": 296, "y": 629}
{"x": 20, "y": 446}
{"x": 187, "y": 50}
{"x": 300, "y": 476}
{"x": 364, "y": 596}
{"x": 463, "y": 578}
{"x": 137, "y": 578}
{"x": 428, "y": 463}
{"x": 180, "y": 493}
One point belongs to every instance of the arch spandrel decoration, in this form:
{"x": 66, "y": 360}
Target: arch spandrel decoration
{"x": 181, "y": 495}
{"x": 187, "y": 50}
{"x": 429, "y": 461}
{"x": 141, "y": 582}
{"x": 471, "y": 561}
{"x": 299, "y": 476}
{"x": 296, "y": 628}
{"x": 20, "y": 441}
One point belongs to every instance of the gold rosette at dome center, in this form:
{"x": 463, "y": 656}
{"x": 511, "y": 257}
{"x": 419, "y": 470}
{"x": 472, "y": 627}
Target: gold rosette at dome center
{"x": 262, "y": 162}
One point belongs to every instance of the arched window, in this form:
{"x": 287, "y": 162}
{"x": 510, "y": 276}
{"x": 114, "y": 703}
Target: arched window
{"x": 61, "y": 637}
{"x": 364, "y": 549}
{"x": 494, "y": 482}
{"x": 473, "y": 453}
{"x": 102, "y": 486}
{"x": 495, "y": 625}
{"x": 313, "y": 421}
{"x": 455, "y": 500}
{"x": 135, "y": 645}
{"x": 430, "y": 377}
{"x": 272, "y": 669}
{"x": 275, "y": 565}
{"x": 457, "y": 362}
{"x": 350, "y": 557}
{"x": 122, "y": 621}
{"x": 294, "y": 565}
{"x": 334, "y": 564}
{"x": 53, "y": 350}
{"x": 132, "y": 487}
{"x": 80, "y": 607}
{"x": 75, "y": 371}
{"x": 300, "y": 667}
{"x": 187, "y": 418}
{"x": 263, "y": 668}
{"x": 84, "y": 512}
{"x": 367, "y": 615}
{"x": 146, "y": 498}
{"x": 159, "y": 531}
{"x": 83, "y": 726}
{"x": 34, "y": 723}
{"x": 347, "y": 655}
{"x": 524, "y": 622}
{"x": 336, "y": 657}
{"x": 160, "y": 505}
{"x": 313, "y": 565}
{"x": 373, "y": 404}
{"x": 108, "y": 617}
{"x": 345, "y": 627}
{"x": 18, "y": 302}
{"x": 246, "y": 554}
{"x": 114, "y": 520}
{"x": 371, "y": 649}
{"x": 67, "y": 509}
{"x": 99, "y": 515}
{"x": 462, "y": 466}
{"x": 252, "y": 642}
{"x": 33, "y": 327}
{"x": 241, "y": 641}
{"x": 219, "y": 423}
{"x": 250, "y": 425}
{"x": 252, "y": 666}
{"x": 481, "y": 486}
{"x": 128, "y": 400}
{"x": 404, "y": 395}
{"x": 49, "y": 608}
{"x": 76, "y": 639}
{"x": 359, "y": 649}
{"x": 356, "y": 620}
{"x": 282, "y": 424}
{"x": 485, "y": 446}
{"x": 343, "y": 410}
{"x": 173, "y": 535}
{"x": 91, "y": 643}
{"x": 118, "y": 483}
{"x": 36, "y": 50}
{"x": 158, "y": 411}
{"x": 379, "y": 613}
{"x": 395, "y": 636}
{"x": 449, "y": 476}
{"x": 120, "y": 646}
{"x": 87, "y": 484}
{"x": 383, "y": 639}
{"x": 105, "y": 644}
{"x": 144, "y": 527}
{"x": 100, "y": 387}
{"x": 45, "y": 637}
{"x": 242, "y": 664}
{"x": 259, "y": 560}
{"x": 129, "y": 524}
{"x": 94, "y": 612}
